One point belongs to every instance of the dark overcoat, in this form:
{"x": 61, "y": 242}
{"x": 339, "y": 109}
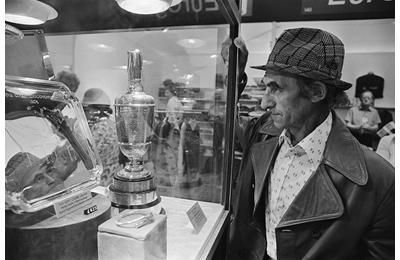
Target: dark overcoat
{"x": 345, "y": 210}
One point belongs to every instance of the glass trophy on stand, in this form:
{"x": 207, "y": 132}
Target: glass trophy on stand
{"x": 134, "y": 187}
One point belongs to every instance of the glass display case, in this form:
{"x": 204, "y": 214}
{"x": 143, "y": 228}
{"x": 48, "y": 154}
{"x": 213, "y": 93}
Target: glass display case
{"x": 191, "y": 150}
{"x": 188, "y": 80}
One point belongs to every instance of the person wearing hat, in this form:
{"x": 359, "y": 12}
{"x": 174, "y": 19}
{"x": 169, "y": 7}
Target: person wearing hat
{"x": 36, "y": 177}
{"x": 312, "y": 192}
{"x": 96, "y": 105}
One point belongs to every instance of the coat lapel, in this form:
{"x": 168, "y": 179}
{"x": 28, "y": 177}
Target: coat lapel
{"x": 317, "y": 200}
{"x": 262, "y": 155}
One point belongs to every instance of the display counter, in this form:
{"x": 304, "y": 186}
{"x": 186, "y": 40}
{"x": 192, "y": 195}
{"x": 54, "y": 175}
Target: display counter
{"x": 183, "y": 242}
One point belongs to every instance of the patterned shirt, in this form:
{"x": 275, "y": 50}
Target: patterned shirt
{"x": 106, "y": 141}
{"x": 293, "y": 167}
{"x": 359, "y": 116}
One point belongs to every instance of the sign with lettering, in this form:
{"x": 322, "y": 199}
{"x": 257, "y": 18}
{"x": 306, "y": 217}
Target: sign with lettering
{"x": 197, "y": 217}
{"x": 72, "y": 203}
{"x": 96, "y": 15}
{"x": 345, "y": 6}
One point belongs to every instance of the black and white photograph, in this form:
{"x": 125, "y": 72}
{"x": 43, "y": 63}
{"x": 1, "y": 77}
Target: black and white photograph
{"x": 199, "y": 129}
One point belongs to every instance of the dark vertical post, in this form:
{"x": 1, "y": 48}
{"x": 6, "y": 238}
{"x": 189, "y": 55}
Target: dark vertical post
{"x": 230, "y": 10}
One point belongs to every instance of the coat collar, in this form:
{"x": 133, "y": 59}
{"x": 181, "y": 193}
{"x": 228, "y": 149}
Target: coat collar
{"x": 342, "y": 153}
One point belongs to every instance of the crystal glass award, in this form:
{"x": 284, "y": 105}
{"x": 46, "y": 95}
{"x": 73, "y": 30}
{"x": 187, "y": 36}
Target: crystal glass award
{"x": 134, "y": 187}
{"x": 49, "y": 149}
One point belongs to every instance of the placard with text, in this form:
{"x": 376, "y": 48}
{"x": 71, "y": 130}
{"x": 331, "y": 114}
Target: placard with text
{"x": 72, "y": 203}
{"x": 197, "y": 217}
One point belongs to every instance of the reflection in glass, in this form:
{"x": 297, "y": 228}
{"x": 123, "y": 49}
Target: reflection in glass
{"x": 49, "y": 148}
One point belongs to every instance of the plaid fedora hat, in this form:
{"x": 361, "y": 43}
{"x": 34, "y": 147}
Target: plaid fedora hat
{"x": 310, "y": 53}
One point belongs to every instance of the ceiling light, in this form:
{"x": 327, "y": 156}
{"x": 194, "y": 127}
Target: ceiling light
{"x": 191, "y": 43}
{"x": 101, "y": 47}
{"x": 29, "y": 12}
{"x": 176, "y": 2}
{"x": 213, "y": 56}
{"x": 144, "y": 6}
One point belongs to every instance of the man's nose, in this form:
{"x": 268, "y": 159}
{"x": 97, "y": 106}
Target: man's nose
{"x": 267, "y": 102}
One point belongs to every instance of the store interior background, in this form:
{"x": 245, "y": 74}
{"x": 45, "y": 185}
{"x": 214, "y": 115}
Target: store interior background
{"x": 191, "y": 55}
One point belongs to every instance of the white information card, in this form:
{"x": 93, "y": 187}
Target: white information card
{"x": 72, "y": 203}
{"x": 197, "y": 217}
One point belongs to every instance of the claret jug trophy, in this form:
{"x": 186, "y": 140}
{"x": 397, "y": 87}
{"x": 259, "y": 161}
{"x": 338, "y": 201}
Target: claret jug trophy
{"x": 134, "y": 187}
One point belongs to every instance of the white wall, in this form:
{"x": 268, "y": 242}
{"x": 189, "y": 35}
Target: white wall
{"x": 369, "y": 45}
{"x": 98, "y": 59}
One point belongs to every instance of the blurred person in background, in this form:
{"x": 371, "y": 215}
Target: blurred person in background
{"x": 70, "y": 79}
{"x": 174, "y": 106}
{"x": 96, "y": 105}
{"x": 386, "y": 147}
{"x": 363, "y": 120}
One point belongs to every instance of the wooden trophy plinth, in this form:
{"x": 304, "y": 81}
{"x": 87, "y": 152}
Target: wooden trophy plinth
{"x": 41, "y": 235}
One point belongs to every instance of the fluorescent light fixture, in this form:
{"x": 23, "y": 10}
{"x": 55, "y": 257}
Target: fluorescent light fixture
{"x": 144, "y": 6}
{"x": 176, "y": 2}
{"x": 147, "y": 62}
{"x": 29, "y": 12}
{"x": 191, "y": 43}
{"x": 213, "y": 56}
{"x": 101, "y": 47}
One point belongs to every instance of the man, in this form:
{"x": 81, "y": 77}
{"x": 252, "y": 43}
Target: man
{"x": 363, "y": 120}
{"x": 313, "y": 192}
{"x": 39, "y": 177}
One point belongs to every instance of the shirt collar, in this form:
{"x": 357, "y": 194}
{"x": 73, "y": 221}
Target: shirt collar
{"x": 364, "y": 109}
{"x": 314, "y": 143}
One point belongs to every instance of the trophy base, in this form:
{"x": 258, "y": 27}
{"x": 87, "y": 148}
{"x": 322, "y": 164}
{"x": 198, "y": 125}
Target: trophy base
{"x": 136, "y": 185}
{"x": 133, "y": 194}
{"x": 143, "y": 206}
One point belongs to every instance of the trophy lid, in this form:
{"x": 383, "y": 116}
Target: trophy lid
{"x": 135, "y": 95}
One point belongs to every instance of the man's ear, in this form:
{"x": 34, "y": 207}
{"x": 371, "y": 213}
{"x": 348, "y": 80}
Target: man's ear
{"x": 317, "y": 91}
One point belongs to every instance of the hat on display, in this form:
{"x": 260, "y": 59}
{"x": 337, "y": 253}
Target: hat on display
{"x": 310, "y": 53}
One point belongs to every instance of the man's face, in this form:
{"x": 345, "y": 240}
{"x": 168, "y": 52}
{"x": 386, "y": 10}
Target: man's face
{"x": 41, "y": 182}
{"x": 366, "y": 98}
{"x": 289, "y": 107}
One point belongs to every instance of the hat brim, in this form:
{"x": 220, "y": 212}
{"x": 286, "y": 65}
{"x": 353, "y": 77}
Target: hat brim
{"x": 306, "y": 73}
